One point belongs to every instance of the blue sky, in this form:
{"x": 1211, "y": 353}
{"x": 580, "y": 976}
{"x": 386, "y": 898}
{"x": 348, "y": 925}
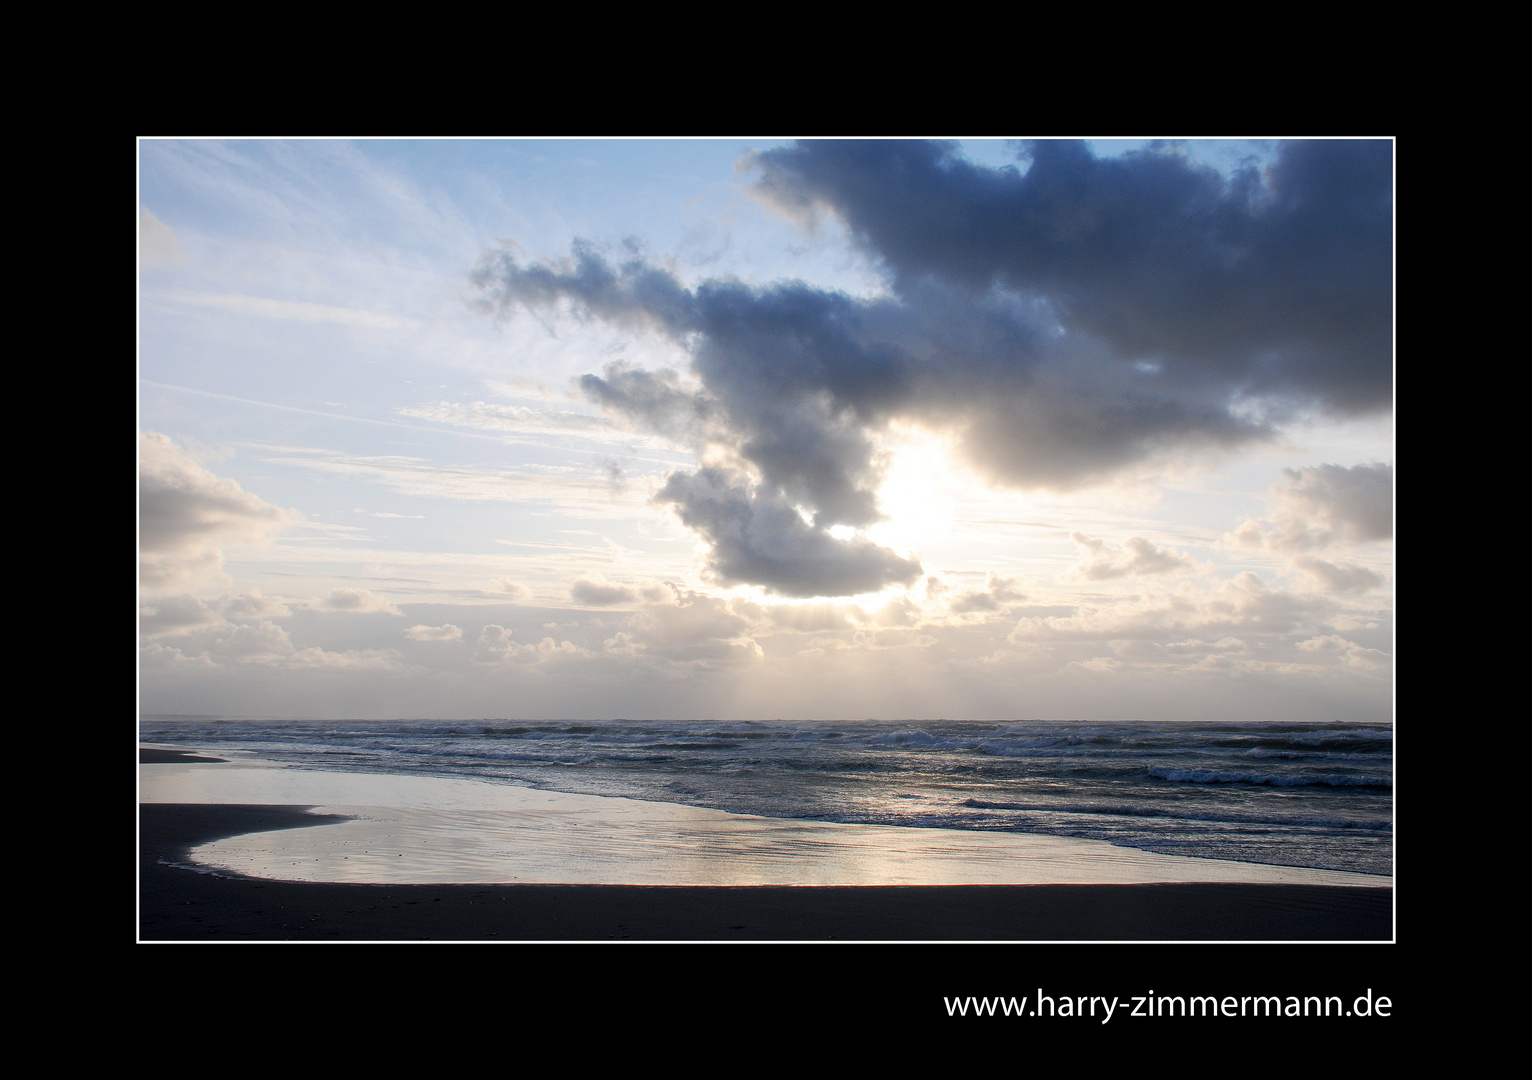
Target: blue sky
{"x": 756, "y": 428}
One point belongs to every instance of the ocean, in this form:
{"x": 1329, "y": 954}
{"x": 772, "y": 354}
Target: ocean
{"x": 1288, "y": 794}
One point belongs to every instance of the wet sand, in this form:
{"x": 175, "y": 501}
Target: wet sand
{"x": 178, "y": 903}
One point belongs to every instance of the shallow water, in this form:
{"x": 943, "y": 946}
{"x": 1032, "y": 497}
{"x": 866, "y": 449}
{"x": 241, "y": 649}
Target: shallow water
{"x": 436, "y": 830}
{"x": 1288, "y": 794}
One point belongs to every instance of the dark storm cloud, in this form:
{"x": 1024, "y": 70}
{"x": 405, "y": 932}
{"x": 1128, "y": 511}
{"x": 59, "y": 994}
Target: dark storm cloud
{"x": 793, "y": 378}
{"x": 1276, "y": 283}
{"x": 1065, "y": 324}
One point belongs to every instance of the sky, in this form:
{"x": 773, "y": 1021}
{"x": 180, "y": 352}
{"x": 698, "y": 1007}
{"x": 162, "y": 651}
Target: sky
{"x": 759, "y": 429}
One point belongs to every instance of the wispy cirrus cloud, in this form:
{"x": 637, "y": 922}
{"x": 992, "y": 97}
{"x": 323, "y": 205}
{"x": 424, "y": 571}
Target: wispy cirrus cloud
{"x": 512, "y": 418}
{"x": 587, "y": 489}
{"x": 266, "y": 307}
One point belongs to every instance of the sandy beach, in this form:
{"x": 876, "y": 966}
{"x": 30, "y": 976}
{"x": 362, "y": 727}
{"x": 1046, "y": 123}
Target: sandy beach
{"x": 193, "y": 888}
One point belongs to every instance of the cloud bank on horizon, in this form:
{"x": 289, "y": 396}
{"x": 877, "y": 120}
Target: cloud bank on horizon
{"x": 948, "y": 431}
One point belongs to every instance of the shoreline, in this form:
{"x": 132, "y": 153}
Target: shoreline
{"x": 394, "y": 829}
{"x": 177, "y": 903}
{"x": 193, "y": 800}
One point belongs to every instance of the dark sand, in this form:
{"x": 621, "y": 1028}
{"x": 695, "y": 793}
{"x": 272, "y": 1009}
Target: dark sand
{"x": 150, "y": 755}
{"x": 179, "y": 904}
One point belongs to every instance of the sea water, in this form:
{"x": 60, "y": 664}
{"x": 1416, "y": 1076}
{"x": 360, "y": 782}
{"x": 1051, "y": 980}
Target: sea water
{"x": 1288, "y": 794}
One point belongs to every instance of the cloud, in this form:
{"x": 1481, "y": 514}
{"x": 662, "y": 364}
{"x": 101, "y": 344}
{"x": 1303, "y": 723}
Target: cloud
{"x": 1270, "y": 282}
{"x": 1349, "y": 653}
{"x": 264, "y": 644}
{"x": 238, "y": 630}
{"x": 761, "y": 539}
{"x": 1066, "y": 324}
{"x": 998, "y": 592}
{"x": 656, "y": 401}
{"x": 509, "y": 587}
{"x": 803, "y": 618}
{"x": 185, "y": 514}
{"x": 582, "y": 490}
{"x": 693, "y": 629}
{"x": 352, "y": 659}
{"x": 1098, "y": 665}
{"x": 355, "y": 601}
{"x": 1354, "y": 504}
{"x": 157, "y": 242}
{"x": 210, "y": 633}
{"x": 445, "y": 632}
{"x": 495, "y": 645}
{"x": 511, "y": 418}
{"x": 1232, "y": 628}
{"x": 252, "y": 605}
{"x": 175, "y": 615}
{"x": 264, "y": 640}
{"x": 1323, "y": 506}
{"x": 1236, "y": 608}
{"x": 1342, "y": 577}
{"x": 291, "y": 310}
{"x": 1136, "y": 558}
{"x": 154, "y": 655}
{"x": 897, "y": 612}
{"x": 596, "y": 591}
{"x": 169, "y": 616}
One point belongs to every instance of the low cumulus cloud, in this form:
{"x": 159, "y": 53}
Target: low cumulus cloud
{"x": 348, "y": 659}
{"x": 1237, "y": 626}
{"x": 598, "y": 592}
{"x": 186, "y": 514}
{"x": 356, "y": 602}
{"x": 220, "y": 643}
{"x": 185, "y": 632}
{"x": 1338, "y": 577}
{"x": 510, "y": 587}
{"x": 190, "y": 633}
{"x": 496, "y": 645}
{"x": 1319, "y": 507}
{"x": 693, "y": 629}
{"x": 1240, "y": 607}
{"x": 445, "y": 632}
{"x": 1137, "y": 557}
{"x": 1349, "y": 653}
{"x": 1067, "y": 320}
{"x": 761, "y": 539}
{"x": 998, "y": 593}
{"x": 184, "y": 614}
